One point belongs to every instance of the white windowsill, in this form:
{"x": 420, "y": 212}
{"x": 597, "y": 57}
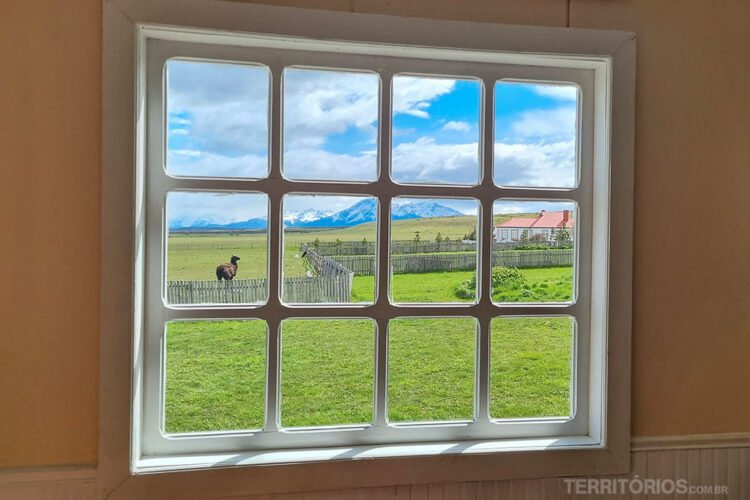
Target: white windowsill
{"x": 154, "y": 464}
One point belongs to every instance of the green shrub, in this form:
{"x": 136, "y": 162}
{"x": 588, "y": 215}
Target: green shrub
{"x": 507, "y": 277}
{"x": 502, "y": 277}
{"x": 533, "y": 246}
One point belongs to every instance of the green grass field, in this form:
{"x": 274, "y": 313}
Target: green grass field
{"x": 546, "y": 284}
{"x": 216, "y": 371}
{"x": 195, "y": 256}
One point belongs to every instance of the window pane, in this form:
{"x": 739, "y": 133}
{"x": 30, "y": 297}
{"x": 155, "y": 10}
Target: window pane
{"x": 216, "y": 248}
{"x": 531, "y": 366}
{"x": 217, "y": 119}
{"x": 533, "y": 253}
{"x": 536, "y": 130}
{"x": 431, "y": 369}
{"x": 215, "y": 375}
{"x": 327, "y": 372}
{"x": 433, "y": 250}
{"x": 436, "y": 130}
{"x": 330, "y": 125}
{"x": 330, "y": 244}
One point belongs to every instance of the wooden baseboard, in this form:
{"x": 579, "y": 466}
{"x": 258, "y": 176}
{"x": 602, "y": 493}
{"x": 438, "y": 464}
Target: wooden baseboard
{"x": 723, "y": 466}
{"x": 692, "y": 441}
{"x": 49, "y": 483}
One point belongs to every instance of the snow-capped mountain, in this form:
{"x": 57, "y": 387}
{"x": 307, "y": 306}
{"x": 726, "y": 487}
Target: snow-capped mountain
{"x": 303, "y": 216}
{"x": 364, "y": 211}
{"x": 359, "y": 213}
{"x": 422, "y": 210}
{"x": 255, "y": 223}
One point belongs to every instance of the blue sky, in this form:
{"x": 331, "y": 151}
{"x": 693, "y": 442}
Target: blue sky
{"x": 217, "y": 125}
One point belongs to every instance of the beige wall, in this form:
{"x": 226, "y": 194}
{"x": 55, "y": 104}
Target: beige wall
{"x": 691, "y": 335}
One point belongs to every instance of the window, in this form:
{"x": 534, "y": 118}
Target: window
{"x": 315, "y": 280}
{"x": 316, "y": 273}
{"x": 296, "y": 198}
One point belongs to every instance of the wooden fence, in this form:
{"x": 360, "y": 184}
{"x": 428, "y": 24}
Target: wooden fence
{"x": 239, "y": 244}
{"x": 401, "y": 264}
{"x": 534, "y": 258}
{"x": 307, "y": 289}
{"x": 324, "y": 266}
{"x": 399, "y": 247}
{"x": 334, "y": 280}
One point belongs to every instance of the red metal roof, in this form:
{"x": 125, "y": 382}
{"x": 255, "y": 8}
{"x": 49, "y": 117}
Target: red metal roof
{"x": 518, "y": 222}
{"x": 545, "y": 219}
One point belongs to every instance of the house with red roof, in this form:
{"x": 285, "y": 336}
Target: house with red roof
{"x": 546, "y": 224}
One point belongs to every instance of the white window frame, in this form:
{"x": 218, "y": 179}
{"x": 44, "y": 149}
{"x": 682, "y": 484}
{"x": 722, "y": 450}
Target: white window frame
{"x": 599, "y": 441}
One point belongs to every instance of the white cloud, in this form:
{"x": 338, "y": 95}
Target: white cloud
{"x": 317, "y": 164}
{"x": 561, "y": 92}
{"x": 318, "y": 104}
{"x": 223, "y": 107}
{"x": 400, "y": 132}
{"x": 189, "y": 162}
{"x": 185, "y": 152}
{"x": 535, "y": 164}
{"x": 553, "y": 123}
{"x": 184, "y": 209}
{"x": 541, "y": 165}
{"x": 427, "y": 161}
{"x": 222, "y": 113}
{"x": 457, "y": 126}
{"x": 529, "y": 207}
{"x": 413, "y": 95}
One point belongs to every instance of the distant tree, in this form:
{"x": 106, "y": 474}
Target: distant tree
{"x": 524, "y": 237}
{"x": 538, "y": 238}
{"x": 562, "y": 236}
{"x": 447, "y": 238}
{"x": 364, "y": 241}
{"x": 438, "y": 239}
{"x": 339, "y": 244}
{"x": 316, "y": 243}
{"x": 472, "y": 236}
{"x": 417, "y": 238}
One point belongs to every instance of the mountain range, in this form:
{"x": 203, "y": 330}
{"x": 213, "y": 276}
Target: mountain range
{"x": 359, "y": 213}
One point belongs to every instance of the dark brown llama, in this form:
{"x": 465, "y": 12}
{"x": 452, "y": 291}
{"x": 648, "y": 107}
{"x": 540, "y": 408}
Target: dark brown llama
{"x": 227, "y": 271}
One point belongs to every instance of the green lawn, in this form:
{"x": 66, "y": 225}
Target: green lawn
{"x": 431, "y": 369}
{"x": 530, "y": 363}
{"x": 545, "y": 284}
{"x": 215, "y": 371}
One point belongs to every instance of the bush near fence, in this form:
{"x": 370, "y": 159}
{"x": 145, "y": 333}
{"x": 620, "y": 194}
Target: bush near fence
{"x": 364, "y": 265}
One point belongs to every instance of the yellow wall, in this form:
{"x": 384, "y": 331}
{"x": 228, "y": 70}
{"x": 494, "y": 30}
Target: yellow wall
{"x": 691, "y": 338}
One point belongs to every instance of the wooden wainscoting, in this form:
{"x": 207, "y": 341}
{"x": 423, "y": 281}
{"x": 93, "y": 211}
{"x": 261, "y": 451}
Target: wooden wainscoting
{"x": 717, "y": 460}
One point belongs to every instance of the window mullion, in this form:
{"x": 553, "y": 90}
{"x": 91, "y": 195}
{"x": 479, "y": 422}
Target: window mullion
{"x": 383, "y": 268}
{"x": 485, "y": 253}
{"x": 273, "y": 373}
